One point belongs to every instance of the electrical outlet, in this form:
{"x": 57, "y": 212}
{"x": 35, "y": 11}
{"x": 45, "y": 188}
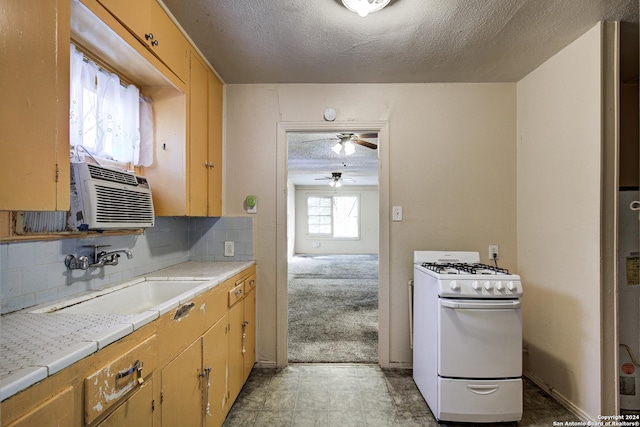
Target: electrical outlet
{"x": 228, "y": 248}
{"x": 493, "y": 252}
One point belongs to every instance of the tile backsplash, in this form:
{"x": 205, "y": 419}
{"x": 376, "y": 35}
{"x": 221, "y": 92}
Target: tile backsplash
{"x": 32, "y": 273}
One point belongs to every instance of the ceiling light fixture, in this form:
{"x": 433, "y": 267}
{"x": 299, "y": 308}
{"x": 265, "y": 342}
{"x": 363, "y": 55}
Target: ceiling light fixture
{"x": 365, "y": 7}
{"x": 336, "y": 180}
{"x": 345, "y": 145}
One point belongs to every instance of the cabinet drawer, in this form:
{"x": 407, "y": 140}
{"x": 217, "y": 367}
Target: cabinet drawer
{"x": 236, "y": 294}
{"x": 250, "y": 283}
{"x": 107, "y": 386}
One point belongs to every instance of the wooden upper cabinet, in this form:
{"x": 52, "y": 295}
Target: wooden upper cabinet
{"x": 135, "y": 15}
{"x": 198, "y": 131}
{"x": 152, "y": 26}
{"x": 34, "y": 117}
{"x": 168, "y": 43}
{"x": 205, "y": 140}
{"x": 215, "y": 145}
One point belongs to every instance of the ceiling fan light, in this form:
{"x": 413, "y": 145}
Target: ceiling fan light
{"x": 365, "y": 7}
{"x": 349, "y": 148}
{"x": 337, "y": 148}
{"x": 337, "y": 184}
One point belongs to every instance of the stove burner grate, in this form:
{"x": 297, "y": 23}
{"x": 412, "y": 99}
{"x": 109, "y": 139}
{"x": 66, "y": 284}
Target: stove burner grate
{"x": 458, "y": 268}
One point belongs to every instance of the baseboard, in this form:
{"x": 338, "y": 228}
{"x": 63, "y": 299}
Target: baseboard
{"x": 399, "y": 365}
{"x": 265, "y": 364}
{"x": 559, "y": 397}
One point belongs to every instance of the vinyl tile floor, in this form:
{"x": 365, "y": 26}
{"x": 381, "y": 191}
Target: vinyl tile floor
{"x": 327, "y": 395}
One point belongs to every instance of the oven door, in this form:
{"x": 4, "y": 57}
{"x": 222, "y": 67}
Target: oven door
{"x": 479, "y": 338}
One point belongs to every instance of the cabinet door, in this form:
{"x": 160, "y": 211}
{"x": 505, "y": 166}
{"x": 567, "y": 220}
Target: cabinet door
{"x": 136, "y": 411}
{"x": 198, "y": 129}
{"x": 168, "y": 43}
{"x": 215, "y": 145}
{"x": 181, "y": 396}
{"x": 57, "y": 411}
{"x": 34, "y": 87}
{"x": 249, "y": 340}
{"x": 236, "y": 361}
{"x": 215, "y": 352}
{"x": 132, "y": 14}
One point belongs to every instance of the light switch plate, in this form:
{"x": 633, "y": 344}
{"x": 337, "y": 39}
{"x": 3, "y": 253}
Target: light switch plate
{"x": 397, "y": 213}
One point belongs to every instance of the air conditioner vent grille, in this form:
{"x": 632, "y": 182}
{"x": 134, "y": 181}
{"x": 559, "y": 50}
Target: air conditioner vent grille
{"x": 105, "y": 174}
{"x": 123, "y": 206}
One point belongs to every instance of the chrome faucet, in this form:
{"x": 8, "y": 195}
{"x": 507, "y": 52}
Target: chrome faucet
{"x": 110, "y": 258}
{"x": 100, "y": 258}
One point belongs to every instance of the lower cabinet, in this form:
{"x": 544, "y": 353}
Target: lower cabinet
{"x": 181, "y": 395}
{"x": 242, "y": 333}
{"x": 200, "y": 384}
{"x": 56, "y": 411}
{"x": 136, "y": 411}
{"x": 184, "y": 369}
{"x": 215, "y": 347}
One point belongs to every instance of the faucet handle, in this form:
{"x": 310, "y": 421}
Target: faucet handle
{"x": 83, "y": 262}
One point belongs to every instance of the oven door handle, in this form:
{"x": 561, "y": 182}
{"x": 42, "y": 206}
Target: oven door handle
{"x": 485, "y": 305}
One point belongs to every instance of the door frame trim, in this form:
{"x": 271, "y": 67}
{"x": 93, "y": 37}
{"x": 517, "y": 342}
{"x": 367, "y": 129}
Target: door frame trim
{"x": 382, "y": 127}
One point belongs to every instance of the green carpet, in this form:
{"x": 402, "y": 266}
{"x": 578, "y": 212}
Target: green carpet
{"x": 333, "y": 309}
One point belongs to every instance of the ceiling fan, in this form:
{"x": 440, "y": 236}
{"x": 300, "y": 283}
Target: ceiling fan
{"x": 346, "y": 142}
{"x": 335, "y": 180}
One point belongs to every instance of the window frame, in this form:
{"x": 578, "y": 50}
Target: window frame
{"x": 331, "y": 236}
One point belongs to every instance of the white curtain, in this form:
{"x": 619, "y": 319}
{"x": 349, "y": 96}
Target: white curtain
{"x": 105, "y": 115}
{"x": 145, "y": 153}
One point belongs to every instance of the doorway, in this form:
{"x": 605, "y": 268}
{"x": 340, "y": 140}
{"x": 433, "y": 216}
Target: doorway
{"x": 333, "y": 237}
{"x": 326, "y": 254}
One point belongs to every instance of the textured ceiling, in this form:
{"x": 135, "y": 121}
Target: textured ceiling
{"x": 311, "y": 160}
{"x": 412, "y": 41}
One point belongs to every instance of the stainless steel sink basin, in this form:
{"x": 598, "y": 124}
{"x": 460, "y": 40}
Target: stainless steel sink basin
{"x": 136, "y": 297}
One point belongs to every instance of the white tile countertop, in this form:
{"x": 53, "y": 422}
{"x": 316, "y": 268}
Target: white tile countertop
{"x": 36, "y": 345}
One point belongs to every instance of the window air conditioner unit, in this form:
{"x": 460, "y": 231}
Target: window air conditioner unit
{"x": 108, "y": 198}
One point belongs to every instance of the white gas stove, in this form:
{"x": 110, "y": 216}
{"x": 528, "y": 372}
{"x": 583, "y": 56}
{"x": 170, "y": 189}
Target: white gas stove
{"x": 467, "y": 342}
{"x": 461, "y": 275}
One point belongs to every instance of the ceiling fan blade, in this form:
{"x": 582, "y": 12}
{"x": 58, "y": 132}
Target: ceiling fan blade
{"x": 323, "y": 179}
{"x": 368, "y": 135}
{"x": 365, "y": 144}
{"x": 321, "y": 140}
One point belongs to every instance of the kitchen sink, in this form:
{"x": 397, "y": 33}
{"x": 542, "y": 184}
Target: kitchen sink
{"x": 133, "y": 297}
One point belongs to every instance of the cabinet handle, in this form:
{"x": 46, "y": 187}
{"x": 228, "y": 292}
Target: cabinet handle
{"x": 148, "y": 36}
{"x": 137, "y": 367}
{"x": 184, "y": 310}
{"x": 155, "y": 43}
{"x": 239, "y": 291}
{"x": 205, "y": 374}
{"x": 244, "y": 336}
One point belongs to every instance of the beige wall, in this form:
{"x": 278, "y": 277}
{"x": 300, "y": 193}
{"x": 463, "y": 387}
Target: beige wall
{"x": 452, "y": 166}
{"x": 368, "y": 241}
{"x": 559, "y": 181}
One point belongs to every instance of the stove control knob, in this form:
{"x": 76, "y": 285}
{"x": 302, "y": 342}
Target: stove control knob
{"x": 512, "y": 286}
{"x": 487, "y": 285}
{"x": 499, "y": 286}
{"x": 476, "y": 286}
{"x": 455, "y": 286}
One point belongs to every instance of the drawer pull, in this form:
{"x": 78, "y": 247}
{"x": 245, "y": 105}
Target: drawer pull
{"x": 239, "y": 291}
{"x": 137, "y": 367}
{"x": 183, "y": 311}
